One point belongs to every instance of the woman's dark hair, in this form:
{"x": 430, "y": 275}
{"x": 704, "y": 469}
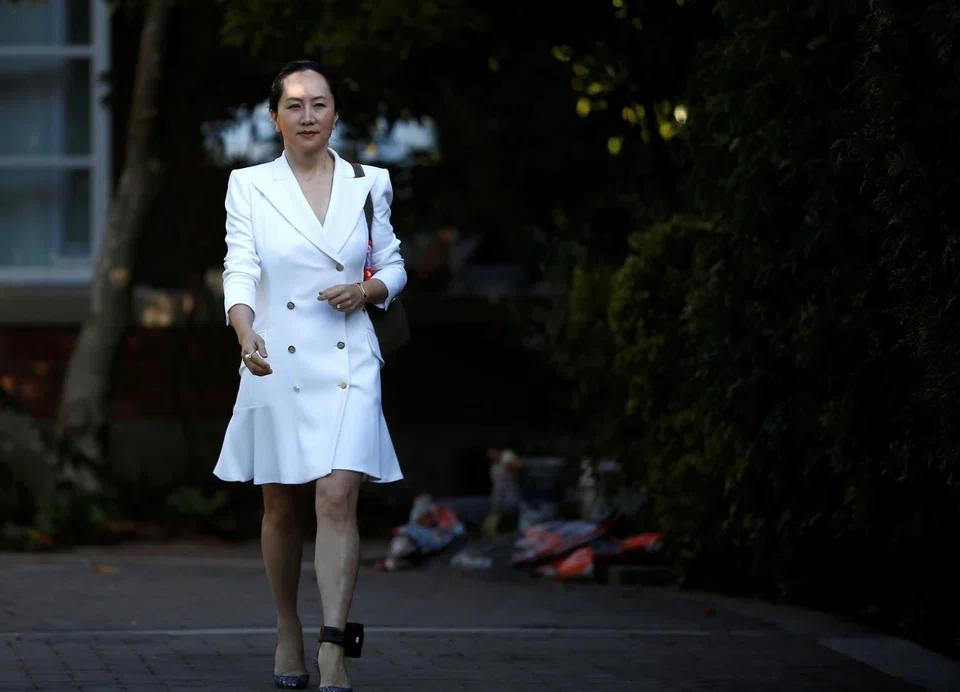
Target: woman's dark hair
{"x": 276, "y": 89}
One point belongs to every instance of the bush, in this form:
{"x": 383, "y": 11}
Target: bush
{"x": 790, "y": 364}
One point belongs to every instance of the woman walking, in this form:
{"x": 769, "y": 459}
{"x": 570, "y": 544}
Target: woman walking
{"x": 298, "y": 273}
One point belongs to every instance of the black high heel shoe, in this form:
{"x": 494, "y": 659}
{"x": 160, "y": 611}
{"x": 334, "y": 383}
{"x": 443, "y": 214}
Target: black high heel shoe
{"x": 350, "y": 638}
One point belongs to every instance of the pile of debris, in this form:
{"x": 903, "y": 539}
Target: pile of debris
{"x": 431, "y": 529}
{"x": 521, "y": 525}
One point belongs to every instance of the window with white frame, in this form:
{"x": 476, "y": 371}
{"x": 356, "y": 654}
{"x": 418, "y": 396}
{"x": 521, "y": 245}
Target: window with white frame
{"x": 54, "y": 138}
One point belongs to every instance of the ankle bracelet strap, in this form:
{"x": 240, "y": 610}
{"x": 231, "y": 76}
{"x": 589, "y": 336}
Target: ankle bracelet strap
{"x": 333, "y": 635}
{"x": 350, "y": 638}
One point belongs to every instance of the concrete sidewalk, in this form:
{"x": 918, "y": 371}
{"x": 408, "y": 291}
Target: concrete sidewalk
{"x": 129, "y": 620}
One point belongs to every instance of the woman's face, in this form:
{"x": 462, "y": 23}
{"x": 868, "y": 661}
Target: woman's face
{"x": 306, "y": 113}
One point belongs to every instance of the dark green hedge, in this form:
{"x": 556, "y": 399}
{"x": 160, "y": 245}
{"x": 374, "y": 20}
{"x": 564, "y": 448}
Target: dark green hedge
{"x": 790, "y": 347}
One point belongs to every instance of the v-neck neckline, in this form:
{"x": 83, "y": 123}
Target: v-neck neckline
{"x": 330, "y": 201}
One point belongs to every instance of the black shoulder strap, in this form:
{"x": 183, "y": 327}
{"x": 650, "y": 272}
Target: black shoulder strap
{"x": 368, "y": 204}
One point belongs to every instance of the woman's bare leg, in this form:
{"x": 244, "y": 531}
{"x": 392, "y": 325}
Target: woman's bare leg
{"x": 281, "y": 542}
{"x": 336, "y": 562}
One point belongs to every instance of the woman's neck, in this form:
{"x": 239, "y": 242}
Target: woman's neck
{"x": 310, "y": 164}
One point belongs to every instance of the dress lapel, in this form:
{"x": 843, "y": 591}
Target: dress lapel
{"x": 283, "y": 192}
{"x": 346, "y": 203}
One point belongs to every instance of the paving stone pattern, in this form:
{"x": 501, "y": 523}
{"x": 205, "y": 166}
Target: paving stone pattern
{"x": 164, "y": 623}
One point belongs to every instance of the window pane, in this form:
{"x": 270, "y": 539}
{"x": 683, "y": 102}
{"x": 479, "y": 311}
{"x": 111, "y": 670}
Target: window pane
{"x": 44, "y": 216}
{"x": 74, "y": 236}
{"x": 52, "y": 22}
{"x": 78, "y": 22}
{"x": 44, "y": 106}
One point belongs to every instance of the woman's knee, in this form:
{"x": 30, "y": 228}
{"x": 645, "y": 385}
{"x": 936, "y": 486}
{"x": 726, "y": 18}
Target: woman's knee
{"x": 336, "y": 496}
{"x": 282, "y": 506}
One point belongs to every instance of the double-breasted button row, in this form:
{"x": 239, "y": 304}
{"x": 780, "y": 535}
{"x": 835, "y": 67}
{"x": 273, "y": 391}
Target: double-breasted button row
{"x": 293, "y": 349}
{"x": 342, "y": 385}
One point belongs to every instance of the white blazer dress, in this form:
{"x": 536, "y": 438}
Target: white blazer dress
{"x": 320, "y": 409}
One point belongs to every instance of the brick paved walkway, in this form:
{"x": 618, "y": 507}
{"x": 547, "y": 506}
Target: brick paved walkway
{"x": 152, "y": 623}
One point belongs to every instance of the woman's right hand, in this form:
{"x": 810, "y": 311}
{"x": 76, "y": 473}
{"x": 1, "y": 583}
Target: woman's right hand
{"x": 253, "y": 350}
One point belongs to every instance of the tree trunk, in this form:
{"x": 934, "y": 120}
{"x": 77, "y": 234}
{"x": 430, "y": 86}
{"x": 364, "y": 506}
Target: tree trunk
{"x": 82, "y": 420}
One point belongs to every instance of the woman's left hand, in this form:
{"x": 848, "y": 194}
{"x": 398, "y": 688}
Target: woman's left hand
{"x": 343, "y": 297}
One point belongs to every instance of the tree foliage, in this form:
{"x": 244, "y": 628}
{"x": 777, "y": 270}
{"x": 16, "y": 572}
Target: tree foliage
{"x": 506, "y": 84}
{"x": 789, "y": 348}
